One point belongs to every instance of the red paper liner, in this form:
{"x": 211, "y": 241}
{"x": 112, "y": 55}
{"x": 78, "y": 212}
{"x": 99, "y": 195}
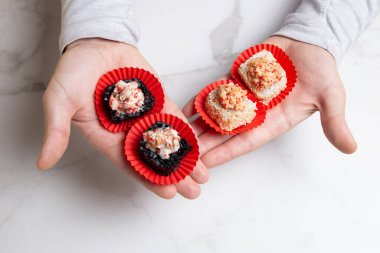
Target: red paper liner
{"x": 200, "y": 108}
{"x": 113, "y": 76}
{"x": 132, "y": 143}
{"x": 281, "y": 57}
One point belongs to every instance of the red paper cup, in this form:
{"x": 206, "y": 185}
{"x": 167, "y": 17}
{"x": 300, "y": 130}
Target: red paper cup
{"x": 113, "y": 76}
{"x": 282, "y": 58}
{"x": 132, "y": 143}
{"x": 200, "y": 108}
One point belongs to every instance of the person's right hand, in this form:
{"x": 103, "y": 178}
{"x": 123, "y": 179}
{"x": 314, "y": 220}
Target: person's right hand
{"x": 70, "y": 98}
{"x": 319, "y": 88}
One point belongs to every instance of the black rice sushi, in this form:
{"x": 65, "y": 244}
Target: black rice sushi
{"x": 162, "y": 148}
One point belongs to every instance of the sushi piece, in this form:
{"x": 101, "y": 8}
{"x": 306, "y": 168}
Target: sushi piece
{"x": 146, "y": 148}
{"x": 263, "y": 75}
{"x": 162, "y": 148}
{"x": 229, "y": 106}
{"x": 127, "y": 99}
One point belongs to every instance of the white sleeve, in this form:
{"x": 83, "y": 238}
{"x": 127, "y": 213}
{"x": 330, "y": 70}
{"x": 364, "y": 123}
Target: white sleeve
{"x": 331, "y": 24}
{"x": 107, "y": 19}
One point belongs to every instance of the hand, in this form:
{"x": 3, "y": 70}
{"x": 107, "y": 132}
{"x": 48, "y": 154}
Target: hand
{"x": 69, "y": 97}
{"x": 319, "y": 88}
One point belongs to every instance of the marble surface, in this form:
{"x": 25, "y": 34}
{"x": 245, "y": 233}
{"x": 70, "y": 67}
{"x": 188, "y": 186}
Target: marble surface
{"x": 295, "y": 194}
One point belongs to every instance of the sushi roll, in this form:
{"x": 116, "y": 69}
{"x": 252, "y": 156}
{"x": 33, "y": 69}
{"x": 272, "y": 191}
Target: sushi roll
{"x": 229, "y": 106}
{"x": 263, "y": 75}
{"x": 162, "y": 148}
{"x": 127, "y": 99}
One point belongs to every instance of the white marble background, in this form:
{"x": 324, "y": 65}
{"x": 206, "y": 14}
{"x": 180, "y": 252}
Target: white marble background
{"x": 295, "y": 194}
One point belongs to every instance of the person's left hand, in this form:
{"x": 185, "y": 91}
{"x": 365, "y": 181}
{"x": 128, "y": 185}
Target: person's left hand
{"x": 319, "y": 88}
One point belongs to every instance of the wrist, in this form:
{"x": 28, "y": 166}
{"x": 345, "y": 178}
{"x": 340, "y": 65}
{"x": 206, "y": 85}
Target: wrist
{"x": 280, "y": 41}
{"x": 97, "y": 42}
{"x": 87, "y": 41}
{"x": 291, "y": 45}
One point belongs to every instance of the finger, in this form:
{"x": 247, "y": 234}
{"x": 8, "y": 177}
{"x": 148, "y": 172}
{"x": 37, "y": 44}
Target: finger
{"x": 235, "y": 147}
{"x": 107, "y": 142}
{"x": 189, "y": 109}
{"x": 199, "y": 126}
{"x": 192, "y": 189}
{"x": 277, "y": 123}
{"x": 200, "y": 173}
{"x": 188, "y": 188}
{"x": 57, "y": 130}
{"x": 211, "y": 139}
{"x": 334, "y": 123}
{"x": 163, "y": 191}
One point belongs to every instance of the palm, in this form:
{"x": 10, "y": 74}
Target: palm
{"x": 318, "y": 88}
{"x": 72, "y": 87}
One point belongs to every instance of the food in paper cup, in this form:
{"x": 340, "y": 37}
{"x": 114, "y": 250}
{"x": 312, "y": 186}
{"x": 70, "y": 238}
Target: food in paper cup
{"x": 162, "y": 148}
{"x": 124, "y": 95}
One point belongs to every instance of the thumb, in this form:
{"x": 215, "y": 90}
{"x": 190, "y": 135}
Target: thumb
{"x": 333, "y": 120}
{"x": 57, "y": 130}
